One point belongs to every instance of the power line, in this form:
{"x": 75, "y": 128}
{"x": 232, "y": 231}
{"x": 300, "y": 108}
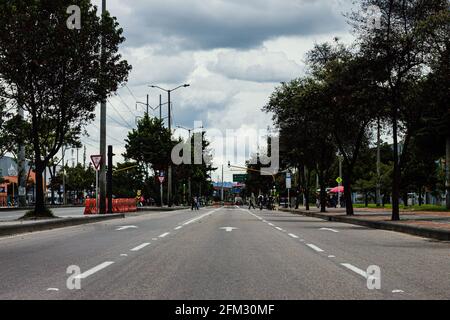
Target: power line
{"x": 129, "y": 90}
{"x": 112, "y": 138}
{"x": 118, "y": 113}
{"x": 125, "y": 104}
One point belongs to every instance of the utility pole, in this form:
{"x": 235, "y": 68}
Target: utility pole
{"x": 64, "y": 175}
{"x": 222, "y": 186}
{"x": 147, "y": 105}
{"x": 378, "y": 192}
{"x": 109, "y": 178}
{"x": 160, "y": 107}
{"x": 340, "y": 183}
{"x": 102, "y": 178}
{"x": 21, "y": 168}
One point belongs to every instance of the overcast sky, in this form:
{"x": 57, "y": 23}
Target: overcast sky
{"x": 233, "y": 53}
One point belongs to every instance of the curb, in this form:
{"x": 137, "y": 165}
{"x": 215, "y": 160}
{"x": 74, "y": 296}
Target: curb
{"x": 164, "y": 209}
{"x": 431, "y": 233}
{"x": 53, "y": 224}
{"x": 48, "y": 207}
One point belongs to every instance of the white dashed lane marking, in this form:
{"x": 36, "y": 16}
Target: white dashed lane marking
{"x": 142, "y": 246}
{"x": 355, "y": 269}
{"x": 293, "y": 236}
{"x": 90, "y": 272}
{"x": 314, "y": 247}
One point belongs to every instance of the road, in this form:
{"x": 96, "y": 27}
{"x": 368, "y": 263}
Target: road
{"x": 11, "y": 215}
{"x": 222, "y": 253}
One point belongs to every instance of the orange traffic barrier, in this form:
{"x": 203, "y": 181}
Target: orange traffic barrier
{"x": 118, "y": 206}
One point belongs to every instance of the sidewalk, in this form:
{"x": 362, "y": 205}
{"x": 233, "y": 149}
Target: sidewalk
{"x": 435, "y": 225}
{"x": 9, "y": 228}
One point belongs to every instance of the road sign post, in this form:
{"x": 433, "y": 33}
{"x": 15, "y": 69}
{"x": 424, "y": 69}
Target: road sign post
{"x": 161, "y": 179}
{"x": 288, "y": 187}
{"x": 96, "y": 161}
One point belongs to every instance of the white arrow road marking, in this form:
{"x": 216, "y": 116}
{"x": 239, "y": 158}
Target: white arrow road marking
{"x": 398, "y": 291}
{"x": 355, "y": 269}
{"x": 90, "y": 272}
{"x": 164, "y": 235}
{"x": 142, "y": 246}
{"x": 228, "y": 229}
{"x": 293, "y": 236}
{"x": 331, "y": 256}
{"x": 314, "y": 247}
{"x": 52, "y": 289}
{"x": 329, "y": 229}
{"x": 124, "y": 255}
{"x": 126, "y": 227}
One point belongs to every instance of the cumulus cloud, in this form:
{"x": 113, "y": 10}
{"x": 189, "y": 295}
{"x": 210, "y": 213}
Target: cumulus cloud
{"x": 232, "y": 52}
{"x": 256, "y": 65}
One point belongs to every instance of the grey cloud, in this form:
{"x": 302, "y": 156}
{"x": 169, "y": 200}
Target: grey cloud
{"x": 199, "y": 24}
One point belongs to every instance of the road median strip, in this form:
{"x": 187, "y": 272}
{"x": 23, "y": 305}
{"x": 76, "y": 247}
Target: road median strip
{"x": 9, "y": 229}
{"x": 401, "y": 226}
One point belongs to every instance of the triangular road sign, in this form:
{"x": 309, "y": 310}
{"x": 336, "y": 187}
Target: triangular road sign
{"x": 96, "y": 161}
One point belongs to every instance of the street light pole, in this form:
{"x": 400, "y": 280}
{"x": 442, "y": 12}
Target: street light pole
{"x": 169, "y": 174}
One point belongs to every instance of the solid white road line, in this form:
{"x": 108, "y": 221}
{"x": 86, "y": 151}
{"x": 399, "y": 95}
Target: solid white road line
{"x": 90, "y": 272}
{"x": 329, "y": 229}
{"x": 142, "y": 246}
{"x": 164, "y": 235}
{"x": 293, "y": 236}
{"x": 178, "y": 228}
{"x": 355, "y": 269}
{"x": 201, "y": 217}
{"x": 314, "y": 247}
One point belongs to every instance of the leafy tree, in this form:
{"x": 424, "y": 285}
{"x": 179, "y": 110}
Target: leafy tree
{"x": 150, "y": 144}
{"x": 126, "y": 183}
{"x": 400, "y": 49}
{"x": 57, "y": 75}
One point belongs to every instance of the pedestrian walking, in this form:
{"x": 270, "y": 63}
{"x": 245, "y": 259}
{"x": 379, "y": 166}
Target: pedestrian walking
{"x": 252, "y": 202}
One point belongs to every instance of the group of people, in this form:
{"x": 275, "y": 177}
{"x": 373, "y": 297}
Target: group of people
{"x": 195, "y": 203}
{"x": 266, "y": 201}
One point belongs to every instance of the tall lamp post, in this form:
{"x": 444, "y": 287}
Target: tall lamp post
{"x": 189, "y": 130}
{"x": 169, "y": 175}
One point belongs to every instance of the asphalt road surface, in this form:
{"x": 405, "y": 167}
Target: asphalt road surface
{"x": 222, "y": 253}
{"x": 11, "y": 215}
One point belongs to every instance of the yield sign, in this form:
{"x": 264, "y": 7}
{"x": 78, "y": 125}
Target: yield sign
{"x": 96, "y": 161}
{"x": 161, "y": 180}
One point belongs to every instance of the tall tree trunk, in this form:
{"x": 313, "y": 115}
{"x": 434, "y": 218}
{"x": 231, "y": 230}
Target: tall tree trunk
{"x": 420, "y": 197}
{"x": 348, "y": 194}
{"x": 447, "y": 173}
{"x": 39, "y": 209}
{"x": 323, "y": 192}
{"x": 405, "y": 199}
{"x": 396, "y": 178}
{"x": 307, "y": 180}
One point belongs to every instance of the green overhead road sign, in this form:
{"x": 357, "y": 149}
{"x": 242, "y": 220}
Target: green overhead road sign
{"x": 239, "y": 177}
{"x": 339, "y": 180}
